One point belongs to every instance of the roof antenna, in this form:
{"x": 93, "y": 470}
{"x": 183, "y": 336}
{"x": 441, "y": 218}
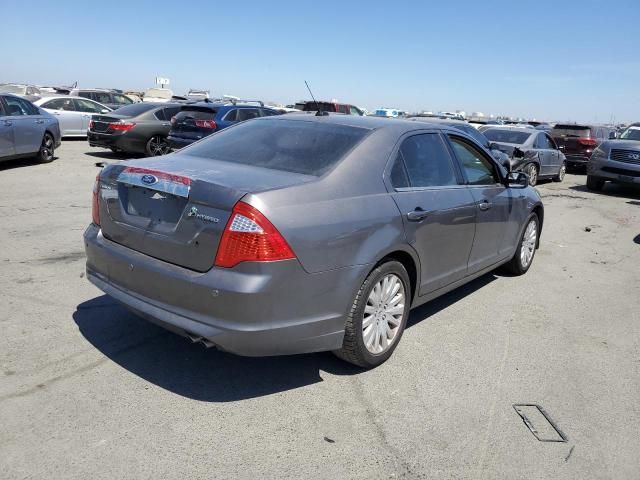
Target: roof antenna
{"x": 319, "y": 113}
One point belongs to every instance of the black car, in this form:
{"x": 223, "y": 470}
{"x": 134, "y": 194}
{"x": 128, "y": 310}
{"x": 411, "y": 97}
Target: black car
{"x": 138, "y": 128}
{"x": 579, "y": 141}
{"x": 200, "y": 119}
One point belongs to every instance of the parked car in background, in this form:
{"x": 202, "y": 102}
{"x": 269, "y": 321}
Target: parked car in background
{"x": 73, "y": 113}
{"x": 197, "y": 95}
{"x": 141, "y": 128}
{"x": 531, "y": 151}
{"x": 500, "y": 157}
{"x": 109, "y": 98}
{"x": 616, "y": 161}
{"x": 26, "y": 130}
{"x": 30, "y": 92}
{"x": 347, "y": 109}
{"x": 157, "y": 95}
{"x": 303, "y": 248}
{"x": 578, "y": 141}
{"x": 387, "y": 112}
{"x": 198, "y": 120}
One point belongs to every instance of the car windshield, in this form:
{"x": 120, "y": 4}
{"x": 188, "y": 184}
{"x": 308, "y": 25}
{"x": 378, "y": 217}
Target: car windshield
{"x": 571, "y": 131}
{"x": 516, "y": 137}
{"x": 309, "y": 148}
{"x": 631, "y": 133}
{"x": 135, "y": 109}
{"x": 17, "y": 89}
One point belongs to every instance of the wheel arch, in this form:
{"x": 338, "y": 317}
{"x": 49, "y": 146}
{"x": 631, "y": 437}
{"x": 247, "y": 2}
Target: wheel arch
{"x": 409, "y": 261}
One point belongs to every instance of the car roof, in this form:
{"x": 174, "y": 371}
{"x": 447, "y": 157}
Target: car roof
{"x": 446, "y": 121}
{"x": 520, "y": 128}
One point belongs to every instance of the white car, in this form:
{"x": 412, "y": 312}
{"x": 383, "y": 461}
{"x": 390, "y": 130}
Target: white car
{"x": 157, "y": 95}
{"x": 73, "y": 113}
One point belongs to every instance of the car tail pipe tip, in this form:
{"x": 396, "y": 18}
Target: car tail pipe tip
{"x": 199, "y": 339}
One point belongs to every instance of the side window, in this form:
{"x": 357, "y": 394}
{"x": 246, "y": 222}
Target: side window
{"x": 427, "y": 161}
{"x": 86, "y": 95}
{"x": 87, "y": 106}
{"x": 479, "y": 169}
{"x": 2, "y": 112}
{"x": 18, "y": 107}
{"x": 121, "y": 99}
{"x": 247, "y": 114}
{"x": 543, "y": 142}
{"x": 232, "y": 116}
{"x": 342, "y": 109}
{"x": 101, "y": 97}
{"x": 168, "y": 113}
{"x": 55, "y": 104}
{"x": 269, "y": 113}
{"x": 398, "y": 175}
{"x": 551, "y": 142}
{"x": 354, "y": 111}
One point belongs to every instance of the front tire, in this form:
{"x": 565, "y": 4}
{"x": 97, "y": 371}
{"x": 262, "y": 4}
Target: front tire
{"x": 532, "y": 171}
{"x": 157, "y": 145}
{"x": 523, "y": 258}
{"x": 378, "y": 316}
{"x": 594, "y": 183}
{"x": 47, "y": 147}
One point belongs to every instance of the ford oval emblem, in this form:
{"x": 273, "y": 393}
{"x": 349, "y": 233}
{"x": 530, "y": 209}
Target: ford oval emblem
{"x": 149, "y": 179}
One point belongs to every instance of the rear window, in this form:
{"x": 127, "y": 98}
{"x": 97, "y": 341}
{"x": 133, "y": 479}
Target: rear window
{"x": 309, "y": 148}
{"x": 135, "y": 109}
{"x": 507, "y": 136}
{"x": 324, "y": 106}
{"x": 571, "y": 131}
{"x": 196, "y": 114}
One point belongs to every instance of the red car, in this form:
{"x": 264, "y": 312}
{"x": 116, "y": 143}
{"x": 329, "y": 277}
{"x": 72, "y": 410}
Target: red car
{"x": 578, "y": 141}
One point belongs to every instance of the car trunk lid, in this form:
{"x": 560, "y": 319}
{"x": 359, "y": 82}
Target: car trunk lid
{"x": 193, "y": 123}
{"x": 100, "y": 123}
{"x": 178, "y": 214}
{"x": 573, "y": 139}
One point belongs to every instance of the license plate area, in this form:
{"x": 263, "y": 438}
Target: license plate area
{"x": 158, "y": 207}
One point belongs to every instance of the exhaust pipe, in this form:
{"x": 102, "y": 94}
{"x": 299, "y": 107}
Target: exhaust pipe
{"x": 199, "y": 339}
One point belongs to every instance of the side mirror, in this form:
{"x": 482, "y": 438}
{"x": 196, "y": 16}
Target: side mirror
{"x": 612, "y": 135}
{"x": 517, "y": 180}
{"x": 104, "y": 110}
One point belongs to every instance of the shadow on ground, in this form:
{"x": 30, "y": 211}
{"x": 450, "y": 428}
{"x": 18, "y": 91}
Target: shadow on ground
{"x": 22, "y": 162}
{"x": 175, "y": 364}
{"x": 612, "y": 189}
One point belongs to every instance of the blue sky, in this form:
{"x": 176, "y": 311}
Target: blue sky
{"x": 554, "y": 60}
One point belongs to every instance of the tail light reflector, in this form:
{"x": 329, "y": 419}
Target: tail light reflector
{"x": 173, "y": 120}
{"x": 92, "y": 124}
{"x": 588, "y": 142}
{"x": 95, "y": 207}
{"x": 206, "y": 124}
{"x": 250, "y": 237}
{"x": 121, "y": 126}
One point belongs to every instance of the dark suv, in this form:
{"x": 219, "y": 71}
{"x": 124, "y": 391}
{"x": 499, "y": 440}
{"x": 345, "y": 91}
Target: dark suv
{"x": 198, "y": 120}
{"x": 578, "y": 141}
{"x": 109, "y": 98}
{"x": 332, "y": 107}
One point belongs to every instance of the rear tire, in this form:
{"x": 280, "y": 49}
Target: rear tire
{"x": 594, "y": 183}
{"x": 561, "y": 173}
{"x": 532, "y": 170}
{"x": 157, "y": 145}
{"x": 47, "y": 147}
{"x": 523, "y": 258}
{"x": 385, "y": 298}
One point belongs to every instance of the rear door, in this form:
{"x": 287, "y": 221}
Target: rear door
{"x": 6, "y": 133}
{"x": 28, "y": 124}
{"x": 66, "y": 111}
{"x": 494, "y": 232}
{"x": 438, "y": 212}
{"x": 549, "y": 156}
{"x": 86, "y": 108}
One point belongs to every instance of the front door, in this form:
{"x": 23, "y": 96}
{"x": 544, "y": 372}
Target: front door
{"x": 493, "y": 204}
{"x": 28, "y": 124}
{"x": 438, "y": 211}
{"x": 6, "y": 133}
{"x": 549, "y": 155}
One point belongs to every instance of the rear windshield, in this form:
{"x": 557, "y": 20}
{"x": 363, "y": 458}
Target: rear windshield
{"x": 309, "y": 148}
{"x": 135, "y": 109}
{"x": 203, "y": 114}
{"x": 631, "y": 133}
{"x": 507, "y": 136}
{"x": 571, "y": 131}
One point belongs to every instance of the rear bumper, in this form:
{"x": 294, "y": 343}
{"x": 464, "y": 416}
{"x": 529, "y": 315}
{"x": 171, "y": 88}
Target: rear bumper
{"x": 614, "y": 171}
{"x": 253, "y": 309}
{"x": 121, "y": 142}
{"x": 577, "y": 159}
{"x": 177, "y": 142}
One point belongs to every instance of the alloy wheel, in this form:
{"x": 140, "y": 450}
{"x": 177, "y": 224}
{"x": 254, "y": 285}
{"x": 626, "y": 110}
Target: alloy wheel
{"x": 529, "y": 240}
{"x": 383, "y": 314}
{"x": 532, "y": 171}
{"x": 158, "y": 146}
{"x": 46, "y": 149}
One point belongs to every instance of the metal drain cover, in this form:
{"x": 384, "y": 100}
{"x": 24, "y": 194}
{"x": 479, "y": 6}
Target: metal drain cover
{"x": 540, "y": 424}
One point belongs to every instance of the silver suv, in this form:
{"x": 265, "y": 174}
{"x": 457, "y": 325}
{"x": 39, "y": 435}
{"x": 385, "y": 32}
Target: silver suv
{"x": 616, "y": 160}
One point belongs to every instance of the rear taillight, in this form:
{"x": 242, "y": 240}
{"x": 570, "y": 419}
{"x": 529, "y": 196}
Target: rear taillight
{"x": 91, "y": 124}
{"x": 173, "y": 120}
{"x": 588, "y": 142}
{"x": 95, "y": 207}
{"x": 206, "y": 124}
{"x": 250, "y": 237}
{"x": 121, "y": 126}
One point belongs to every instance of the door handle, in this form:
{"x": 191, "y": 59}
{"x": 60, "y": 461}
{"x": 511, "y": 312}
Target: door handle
{"x": 39, "y": 121}
{"x": 484, "y": 205}
{"x": 8, "y": 123}
{"x": 417, "y": 215}
{"x": 166, "y": 125}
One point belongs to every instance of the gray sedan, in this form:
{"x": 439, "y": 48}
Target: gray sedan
{"x": 26, "y": 130}
{"x": 302, "y": 233}
{"x": 73, "y": 113}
